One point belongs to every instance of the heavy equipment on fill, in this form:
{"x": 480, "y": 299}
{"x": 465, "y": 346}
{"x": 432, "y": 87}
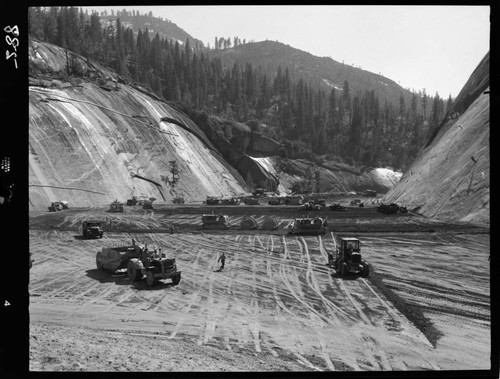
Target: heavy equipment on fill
{"x": 251, "y": 200}
{"x": 178, "y": 200}
{"x": 116, "y": 206}
{"x": 337, "y": 207}
{"x": 92, "y": 229}
{"x": 389, "y": 208}
{"x": 58, "y": 206}
{"x": 308, "y": 226}
{"x": 249, "y": 223}
{"x": 348, "y": 259}
{"x": 213, "y": 221}
{"x": 140, "y": 261}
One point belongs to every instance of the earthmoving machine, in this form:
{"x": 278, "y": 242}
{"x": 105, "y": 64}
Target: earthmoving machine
{"x": 178, "y": 200}
{"x": 355, "y": 202}
{"x": 252, "y": 200}
{"x": 148, "y": 203}
{"x": 92, "y": 229}
{"x": 213, "y": 221}
{"x": 308, "y": 226}
{"x": 310, "y": 207}
{"x": 58, "y": 206}
{"x": 348, "y": 259}
{"x": 276, "y": 201}
{"x": 249, "y": 223}
{"x": 211, "y": 200}
{"x": 270, "y": 224}
{"x": 133, "y": 200}
{"x": 258, "y": 192}
{"x": 337, "y": 207}
{"x": 294, "y": 200}
{"x": 116, "y": 206}
{"x": 388, "y": 208}
{"x": 140, "y": 261}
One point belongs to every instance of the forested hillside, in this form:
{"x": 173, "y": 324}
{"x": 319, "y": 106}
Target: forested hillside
{"x": 355, "y": 125}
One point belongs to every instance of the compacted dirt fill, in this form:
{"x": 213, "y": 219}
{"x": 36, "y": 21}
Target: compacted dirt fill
{"x": 276, "y": 306}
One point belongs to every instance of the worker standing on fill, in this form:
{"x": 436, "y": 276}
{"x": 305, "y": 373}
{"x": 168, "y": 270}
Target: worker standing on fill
{"x": 222, "y": 260}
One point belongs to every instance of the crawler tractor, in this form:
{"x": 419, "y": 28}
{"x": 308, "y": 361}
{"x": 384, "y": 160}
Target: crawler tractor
{"x": 308, "y": 226}
{"x": 139, "y": 262}
{"x": 212, "y": 221}
{"x": 348, "y": 259}
{"x": 116, "y": 206}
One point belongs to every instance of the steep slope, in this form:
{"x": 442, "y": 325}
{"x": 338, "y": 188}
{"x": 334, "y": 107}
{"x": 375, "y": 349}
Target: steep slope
{"x": 95, "y": 139}
{"x": 450, "y": 179}
{"x": 322, "y": 70}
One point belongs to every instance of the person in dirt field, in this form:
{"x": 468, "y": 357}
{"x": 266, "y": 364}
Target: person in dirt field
{"x": 222, "y": 260}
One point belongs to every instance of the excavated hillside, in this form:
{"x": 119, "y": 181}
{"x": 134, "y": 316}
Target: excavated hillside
{"x": 94, "y": 138}
{"x": 450, "y": 179}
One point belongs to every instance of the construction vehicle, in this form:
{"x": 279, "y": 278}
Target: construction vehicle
{"x": 276, "y": 201}
{"x": 92, "y": 229}
{"x": 258, "y": 192}
{"x": 249, "y": 223}
{"x": 230, "y": 201}
{"x": 148, "y": 204}
{"x": 132, "y": 201}
{"x": 58, "y": 206}
{"x": 294, "y": 200}
{"x": 251, "y": 200}
{"x": 348, "y": 259}
{"x": 270, "y": 224}
{"x": 308, "y": 226}
{"x": 355, "y": 202}
{"x": 310, "y": 207}
{"x": 211, "y": 200}
{"x": 139, "y": 262}
{"x": 212, "y": 221}
{"x": 178, "y": 200}
{"x": 116, "y": 206}
{"x": 388, "y": 208}
{"x": 337, "y": 207}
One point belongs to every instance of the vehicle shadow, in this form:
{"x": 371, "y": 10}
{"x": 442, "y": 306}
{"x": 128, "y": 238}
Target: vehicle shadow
{"x": 102, "y": 276}
{"x": 346, "y": 276}
{"x": 121, "y": 278}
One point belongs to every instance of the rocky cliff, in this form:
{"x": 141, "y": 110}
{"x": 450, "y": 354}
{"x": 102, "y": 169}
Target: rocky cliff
{"x": 450, "y": 179}
{"x": 94, "y": 138}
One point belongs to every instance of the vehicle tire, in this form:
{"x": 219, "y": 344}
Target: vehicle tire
{"x": 176, "y": 279}
{"x": 133, "y": 271}
{"x": 343, "y": 269}
{"x": 366, "y": 270}
{"x": 150, "y": 278}
{"x": 98, "y": 262}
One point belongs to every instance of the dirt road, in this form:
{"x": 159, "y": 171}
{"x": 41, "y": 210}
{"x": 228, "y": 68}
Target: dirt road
{"x": 275, "y": 307}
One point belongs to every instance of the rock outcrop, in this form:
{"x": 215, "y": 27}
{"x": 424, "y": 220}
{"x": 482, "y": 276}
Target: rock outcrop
{"x": 450, "y": 178}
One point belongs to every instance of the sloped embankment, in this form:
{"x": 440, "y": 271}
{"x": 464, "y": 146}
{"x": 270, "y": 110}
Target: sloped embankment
{"x": 450, "y": 179}
{"x": 100, "y": 136}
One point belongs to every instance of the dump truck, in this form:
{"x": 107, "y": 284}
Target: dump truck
{"x": 139, "y": 261}
{"x": 92, "y": 229}
{"x": 116, "y": 206}
{"x": 308, "y": 226}
{"x": 348, "y": 259}
{"x": 213, "y": 221}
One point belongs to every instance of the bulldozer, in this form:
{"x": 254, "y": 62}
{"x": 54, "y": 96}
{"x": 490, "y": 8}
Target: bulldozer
{"x": 139, "y": 262}
{"x": 213, "y": 221}
{"x": 348, "y": 259}
{"x": 92, "y": 229}
{"x": 308, "y": 226}
{"x": 116, "y": 206}
{"x": 58, "y": 206}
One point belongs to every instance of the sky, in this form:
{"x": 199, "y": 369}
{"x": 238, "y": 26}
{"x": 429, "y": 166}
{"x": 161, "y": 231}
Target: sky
{"x": 435, "y": 48}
